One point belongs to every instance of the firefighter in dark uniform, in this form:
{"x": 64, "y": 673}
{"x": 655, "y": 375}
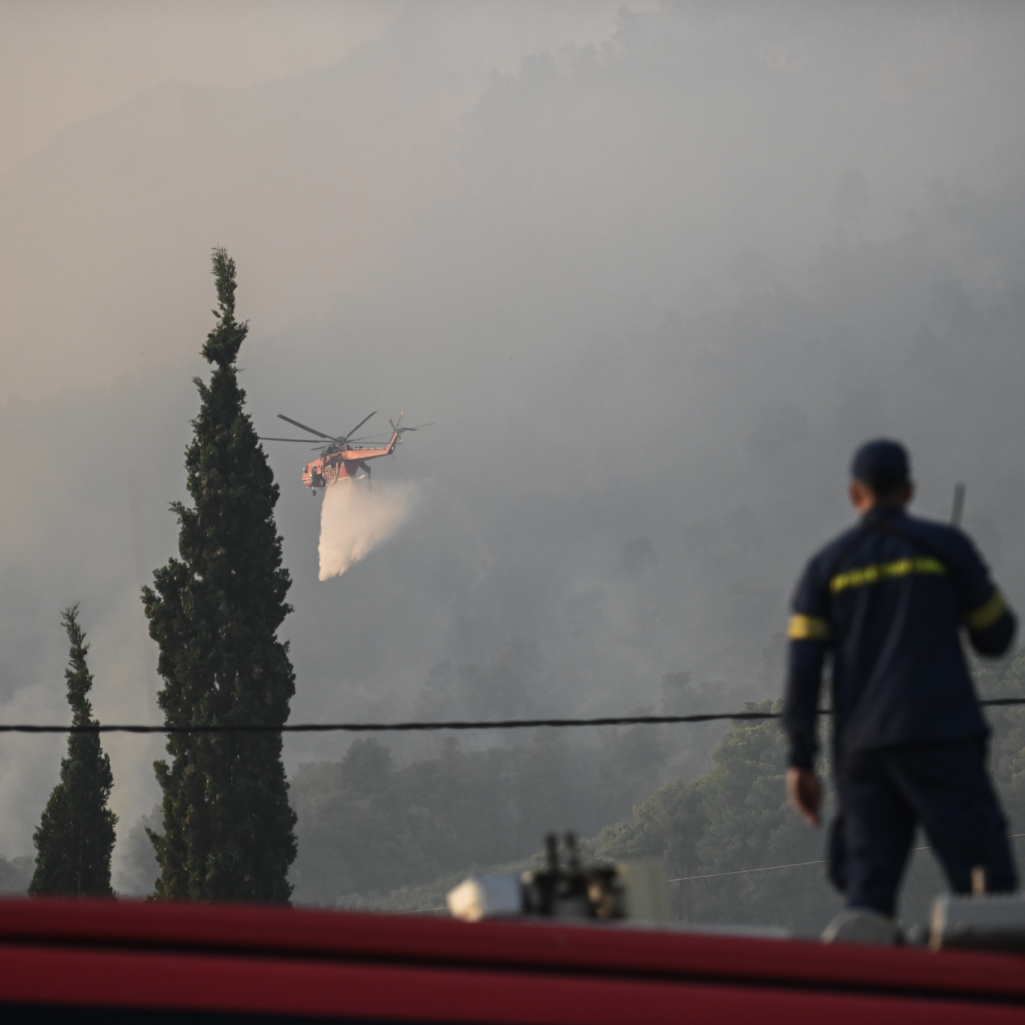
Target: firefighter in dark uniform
{"x": 885, "y": 604}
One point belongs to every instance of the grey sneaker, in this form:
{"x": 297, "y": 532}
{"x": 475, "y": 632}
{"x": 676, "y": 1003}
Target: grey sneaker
{"x": 860, "y": 925}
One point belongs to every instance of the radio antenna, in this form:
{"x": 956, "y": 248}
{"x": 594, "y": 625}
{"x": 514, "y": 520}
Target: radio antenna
{"x": 955, "y": 513}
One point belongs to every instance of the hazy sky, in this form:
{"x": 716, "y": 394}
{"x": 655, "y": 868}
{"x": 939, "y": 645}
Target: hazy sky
{"x": 62, "y": 62}
{"x": 653, "y": 275}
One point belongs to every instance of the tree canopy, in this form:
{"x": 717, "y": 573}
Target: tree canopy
{"x": 76, "y": 835}
{"x": 214, "y": 612}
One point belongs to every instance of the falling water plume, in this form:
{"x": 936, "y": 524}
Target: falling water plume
{"x": 354, "y": 520}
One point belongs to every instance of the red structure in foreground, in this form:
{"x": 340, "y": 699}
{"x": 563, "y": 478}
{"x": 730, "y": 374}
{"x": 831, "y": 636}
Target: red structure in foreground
{"x": 119, "y": 961}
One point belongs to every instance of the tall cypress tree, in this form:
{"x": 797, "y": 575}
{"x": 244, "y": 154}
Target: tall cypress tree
{"x": 227, "y": 824}
{"x": 75, "y": 837}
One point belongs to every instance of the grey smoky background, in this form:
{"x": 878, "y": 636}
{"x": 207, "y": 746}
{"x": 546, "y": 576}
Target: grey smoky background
{"x": 653, "y": 270}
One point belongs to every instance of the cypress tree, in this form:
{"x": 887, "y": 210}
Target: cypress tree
{"x": 75, "y": 837}
{"x": 214, "y": 612}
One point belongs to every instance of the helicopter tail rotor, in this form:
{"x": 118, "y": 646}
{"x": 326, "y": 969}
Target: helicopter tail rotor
{"x": 400, "y": 430}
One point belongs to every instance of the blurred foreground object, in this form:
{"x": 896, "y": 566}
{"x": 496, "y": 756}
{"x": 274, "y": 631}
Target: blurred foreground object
{"x": 646, "y": 888}
{"x": 487, "y": 897}
{"x": 995, "y": 922}
{"x": 201, "y": 963}
{"x": 859, "y": 925}
{"x": 638, "y": 891}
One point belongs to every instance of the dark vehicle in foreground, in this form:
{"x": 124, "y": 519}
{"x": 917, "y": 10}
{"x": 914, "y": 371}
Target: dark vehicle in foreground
{"x": 156, "y": 962}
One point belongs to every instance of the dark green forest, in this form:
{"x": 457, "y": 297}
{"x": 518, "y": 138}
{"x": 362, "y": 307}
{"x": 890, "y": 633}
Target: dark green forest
{"x": 377, "y": 830}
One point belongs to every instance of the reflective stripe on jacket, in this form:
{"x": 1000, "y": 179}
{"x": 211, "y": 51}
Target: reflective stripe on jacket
{"x": 885, "y": 602}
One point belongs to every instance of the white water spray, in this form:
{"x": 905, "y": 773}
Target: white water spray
{"x": 354, "y": 520}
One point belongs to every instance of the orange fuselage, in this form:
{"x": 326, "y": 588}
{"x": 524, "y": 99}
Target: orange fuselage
{"x": 342, "y": 463}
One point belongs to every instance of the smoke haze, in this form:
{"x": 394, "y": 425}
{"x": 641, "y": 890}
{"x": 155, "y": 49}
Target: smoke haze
{"x": 654, "y": 274}
{"x": 354, "y": 520}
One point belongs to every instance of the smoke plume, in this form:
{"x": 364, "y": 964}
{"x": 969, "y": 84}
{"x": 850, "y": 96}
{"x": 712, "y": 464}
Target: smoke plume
{"x": 354, "y": 520}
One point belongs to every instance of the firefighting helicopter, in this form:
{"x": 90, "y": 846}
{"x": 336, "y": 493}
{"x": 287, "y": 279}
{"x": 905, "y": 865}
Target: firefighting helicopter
{"x": 340, "y": 459}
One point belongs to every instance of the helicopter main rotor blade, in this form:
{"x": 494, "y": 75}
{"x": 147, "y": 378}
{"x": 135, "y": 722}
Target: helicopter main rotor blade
{"x": 346, "y": 437}
{"x": 319, "y": 434}
{"x": 303, "y": 441}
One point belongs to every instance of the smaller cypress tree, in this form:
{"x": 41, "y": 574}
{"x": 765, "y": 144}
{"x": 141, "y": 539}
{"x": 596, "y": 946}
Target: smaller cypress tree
{"x": 75, "y": 838}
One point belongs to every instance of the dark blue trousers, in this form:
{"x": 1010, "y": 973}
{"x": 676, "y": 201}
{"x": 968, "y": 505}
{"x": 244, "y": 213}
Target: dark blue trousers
{"x": 884, "y": 793}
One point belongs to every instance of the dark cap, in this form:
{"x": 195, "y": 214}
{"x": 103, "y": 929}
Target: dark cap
{"x": 883, "y": 465}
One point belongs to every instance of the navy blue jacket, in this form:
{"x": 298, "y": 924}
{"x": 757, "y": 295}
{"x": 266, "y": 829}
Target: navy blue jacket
{"x": 886, "y": 601}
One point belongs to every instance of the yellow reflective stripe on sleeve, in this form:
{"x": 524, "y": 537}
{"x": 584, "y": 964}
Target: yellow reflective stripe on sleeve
{"x": 986, "y": 615}
{"x": 808, "y": 628}
{"x": 865, "y": 575}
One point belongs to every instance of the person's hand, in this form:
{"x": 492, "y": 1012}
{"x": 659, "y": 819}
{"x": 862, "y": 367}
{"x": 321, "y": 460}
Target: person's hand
{"x": 805, "y": 793}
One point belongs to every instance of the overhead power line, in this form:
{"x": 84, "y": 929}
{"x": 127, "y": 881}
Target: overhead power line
{"x": 793, "y": 864}
{"x": 406, "y": 727}
{"x": 765, "y": 868}
{"x": 379, "y": 727}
